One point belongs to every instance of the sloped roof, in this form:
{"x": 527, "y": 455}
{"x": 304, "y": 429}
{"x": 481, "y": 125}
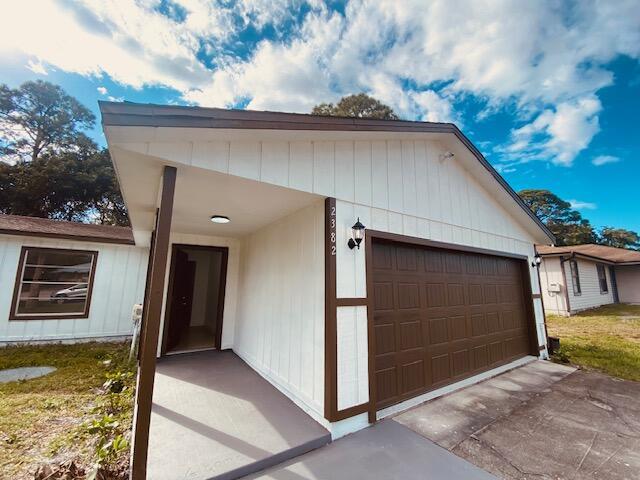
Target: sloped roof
{"x": 601, "y": 252}
{"x": 131, "y": 114}
{"x": 44, "y": 227}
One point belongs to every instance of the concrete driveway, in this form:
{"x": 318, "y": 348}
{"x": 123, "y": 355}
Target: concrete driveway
{"x": 539, "y": 421}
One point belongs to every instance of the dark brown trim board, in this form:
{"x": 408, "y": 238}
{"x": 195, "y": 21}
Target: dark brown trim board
{"x": 132, "y": 114}
{"x": 351, "y": 302}
{"x": 330, "y": 309}
{"x": 147, "y": 367}
{"x": 53, "y": 316}
{"x": 221, "y": 293}
{"x": 368, "y": 249}
{"x": 396, "y": 237}
{"x": 61, "y": 236}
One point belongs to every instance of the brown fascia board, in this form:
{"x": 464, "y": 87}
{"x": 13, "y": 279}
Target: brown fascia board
{"x": 62, "y": 236}
{"x": 129, "y": 114}
{"x": 584, "y": 256}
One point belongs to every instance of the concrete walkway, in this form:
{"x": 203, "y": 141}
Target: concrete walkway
{"x": 385, "y": 451}
{"x": 214, "y": 417}
{"x": 24, "y": 373}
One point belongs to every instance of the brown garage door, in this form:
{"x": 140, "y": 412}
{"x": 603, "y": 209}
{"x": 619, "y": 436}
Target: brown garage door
{"x": 443, "y": 315}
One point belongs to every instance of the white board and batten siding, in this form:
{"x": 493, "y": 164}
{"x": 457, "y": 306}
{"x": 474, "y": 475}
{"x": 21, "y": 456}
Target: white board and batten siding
{"x": 398, "y": 186}
{"x": 628, "y": 280}
{"x": 590, "y": 295}
{"x": 279, "y": 327}
{"x": 119, "y": 283}
{"x": 551, "y": 273}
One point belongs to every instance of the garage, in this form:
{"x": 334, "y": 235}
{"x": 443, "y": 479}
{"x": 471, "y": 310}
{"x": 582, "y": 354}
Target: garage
{"x": 441, "y": 315}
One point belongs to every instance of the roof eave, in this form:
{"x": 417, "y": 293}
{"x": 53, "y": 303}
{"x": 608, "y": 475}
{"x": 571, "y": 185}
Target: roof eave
{"x": 149, "y": 115}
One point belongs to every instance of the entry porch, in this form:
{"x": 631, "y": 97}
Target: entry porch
{"x": 215, "y": 417}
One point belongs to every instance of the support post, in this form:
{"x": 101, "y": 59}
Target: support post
{"x": 149, "y": 336}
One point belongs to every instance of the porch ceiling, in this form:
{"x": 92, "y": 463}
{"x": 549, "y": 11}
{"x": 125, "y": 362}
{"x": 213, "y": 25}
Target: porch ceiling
{"x": 200, "y": 194}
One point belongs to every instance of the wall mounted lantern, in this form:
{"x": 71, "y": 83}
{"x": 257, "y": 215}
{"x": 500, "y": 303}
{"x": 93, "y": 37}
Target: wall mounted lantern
{"x": 358, "y": 235}
{"x": 536, "y": 261}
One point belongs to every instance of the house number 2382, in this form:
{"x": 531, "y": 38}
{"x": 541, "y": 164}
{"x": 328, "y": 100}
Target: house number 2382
{"x": 332, "y": 229}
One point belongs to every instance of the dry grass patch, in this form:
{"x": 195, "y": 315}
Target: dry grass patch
{"x": 43, "y": 420}
{"x": 605, "y": 339}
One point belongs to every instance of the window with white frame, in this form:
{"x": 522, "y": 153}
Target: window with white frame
{"x": 53, "y": 283}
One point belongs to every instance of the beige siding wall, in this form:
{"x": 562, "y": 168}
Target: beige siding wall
{"x": 628, "y": 279}
{"x": 550, "y": 273}
{"x": 280, "y": 323}
{"x": 590, "y": 296}
{"x": 118, "y": 284}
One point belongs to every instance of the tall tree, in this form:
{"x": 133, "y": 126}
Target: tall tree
{"x": 48, "y": 166}
{"x": 41, "y": 118}
{"x": 619, "y": 237}
{"x": 566, "y": 224}
{"x": 73, "y": 186}
{"x": 360, "y": 105}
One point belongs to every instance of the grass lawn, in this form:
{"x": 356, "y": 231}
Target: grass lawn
{"x": 44, "y": 420}
{"x": 605, "y": 339}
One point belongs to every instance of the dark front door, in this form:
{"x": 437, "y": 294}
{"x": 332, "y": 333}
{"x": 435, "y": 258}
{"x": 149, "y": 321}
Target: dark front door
{"x": 181, "y": 297}
{"x": 443, "y": 315}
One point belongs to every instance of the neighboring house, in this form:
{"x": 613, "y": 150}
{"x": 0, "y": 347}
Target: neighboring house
{"x": 580, "y": 277}
{"x": 66, "y": 281}
{"x": 252, "y": 213}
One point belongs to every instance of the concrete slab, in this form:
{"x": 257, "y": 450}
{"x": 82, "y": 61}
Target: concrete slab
{"x": 24, "y": 373}
{"x": 451, "y": 419}
{"x": 385, "y": 451}
{"x": 214, "y": 417}
{"x": 577, "y": 425}
{"x": 587, "y": 427}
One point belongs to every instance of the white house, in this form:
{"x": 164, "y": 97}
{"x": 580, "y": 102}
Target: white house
{"x": 580, "y": 277}
{"x": 259, "y": 206}
{"x": 65, "y": 281}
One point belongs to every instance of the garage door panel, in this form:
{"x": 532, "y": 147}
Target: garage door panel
{"x": 408, "y": 295}
{"x": 411, "y": 334}
{"x": 455, "y": 294}
{"x": 460, "y": 362}
{"x": 441, "y": 316}
{"x": 438, "y": 330}
{"x": 457, "y": 328}
{"x": 386, "y": 385}
{"x": 475, "y": 294}
{"x": 479, "y": 324}
{"x": 436, "y": 295}
{"x": 385, "y": 336}
{"x": 383, "y": 296}
{"x": 412, "y": 377}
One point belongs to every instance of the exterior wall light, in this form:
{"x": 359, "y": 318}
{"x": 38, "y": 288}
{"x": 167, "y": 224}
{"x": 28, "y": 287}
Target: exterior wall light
{"x": 220, "y": 219}
{"x": 536, "y": 261}
{"x": 358, "y": 235}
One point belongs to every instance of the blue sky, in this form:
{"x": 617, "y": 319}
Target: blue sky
{"x": 549, "y": 91}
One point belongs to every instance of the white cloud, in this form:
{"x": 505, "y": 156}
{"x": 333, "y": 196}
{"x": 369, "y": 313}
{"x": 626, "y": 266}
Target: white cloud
{"x": 579, "y": 205}
{"x": 556, "y": 135}
{"x": 604, "y": 160}
{"x": 544, "y": 60}
{"x": 37, "y": 67}
{"x": 102, "y": 90}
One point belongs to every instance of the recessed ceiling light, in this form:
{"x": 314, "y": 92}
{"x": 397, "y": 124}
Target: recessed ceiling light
{"x": 220, "y": 219}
